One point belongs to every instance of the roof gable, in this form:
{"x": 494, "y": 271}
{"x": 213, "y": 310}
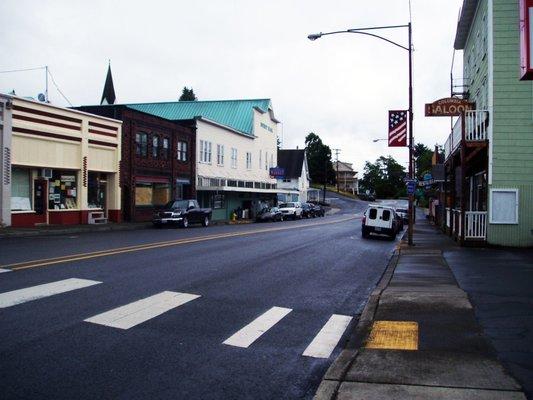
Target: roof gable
{"x": 235, "y": 114}
{"x": 292, "y": 162}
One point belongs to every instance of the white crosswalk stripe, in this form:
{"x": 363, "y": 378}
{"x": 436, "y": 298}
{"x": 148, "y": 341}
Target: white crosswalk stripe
{"x": 253, "y": 331}
{"x": 325, "y": 341}
{"x": 4, "y": 270}
{"x": 20, "y": 296}
{"x": 139, "y": 311}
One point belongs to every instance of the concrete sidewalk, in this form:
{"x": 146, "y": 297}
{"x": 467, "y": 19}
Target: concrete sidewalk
{"x": 71, "y": 229}
{"x": 418, "y": 337}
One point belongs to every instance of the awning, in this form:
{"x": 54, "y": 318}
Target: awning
{"x": 151, "y": 179}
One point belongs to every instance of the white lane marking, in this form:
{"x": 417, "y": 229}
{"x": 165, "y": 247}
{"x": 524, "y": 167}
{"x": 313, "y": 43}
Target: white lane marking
{"x": 4, "y": 270}
{"x": 325, "y": 341}
{"x": 20, "y": 296}
{"x": 142, "y": 310}
{"x": 253, "y": 331}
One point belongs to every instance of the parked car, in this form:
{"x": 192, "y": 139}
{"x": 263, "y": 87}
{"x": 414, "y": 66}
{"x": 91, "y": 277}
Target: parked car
{"x": 291, "y": 209}
{"x": 381, "y": 220}
{"x": 399, "y": 222}
{"x": 404, "y": 214}
{"x": 182, "y": 213}
{"x": 269, "y": 214}
{"x": 318, "y": 210}
{"x": 308, "y": 211}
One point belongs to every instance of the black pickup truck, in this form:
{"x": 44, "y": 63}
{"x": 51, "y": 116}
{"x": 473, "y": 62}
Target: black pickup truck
{"x": 182, "y": 213}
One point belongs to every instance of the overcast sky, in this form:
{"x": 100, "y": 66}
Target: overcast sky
{"x": 339, "y": 87}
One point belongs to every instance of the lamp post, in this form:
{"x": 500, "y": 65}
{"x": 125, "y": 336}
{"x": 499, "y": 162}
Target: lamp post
{"x": 409, "y": 49}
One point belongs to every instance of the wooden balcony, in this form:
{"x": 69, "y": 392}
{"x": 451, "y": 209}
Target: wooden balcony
{"x": 475, "y": 132}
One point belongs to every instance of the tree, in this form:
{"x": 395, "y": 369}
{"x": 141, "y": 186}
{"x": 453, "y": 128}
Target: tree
{"x": 423, "y": 160}
{"x": 187, "y": 94}
{"x": 385, "y": 177}
{"x": 319, "y": 160}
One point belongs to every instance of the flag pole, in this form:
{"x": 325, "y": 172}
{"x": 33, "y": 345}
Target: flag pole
{"x": 411, "y": 169}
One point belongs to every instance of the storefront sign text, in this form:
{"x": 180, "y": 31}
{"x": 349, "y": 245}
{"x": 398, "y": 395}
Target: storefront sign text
{"x": 448, "y": 107}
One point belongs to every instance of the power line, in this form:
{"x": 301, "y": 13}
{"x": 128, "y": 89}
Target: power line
{"x": 47, "y": 74}
{"x": 57, "y": 87}
{"x": 22, "y": 70}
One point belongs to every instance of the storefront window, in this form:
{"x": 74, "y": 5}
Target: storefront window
{"x": 62, "y": 190}
{"x": 151, "y": 194}
{"x": 96, "y": 190}
{"x": 20, "y": 189}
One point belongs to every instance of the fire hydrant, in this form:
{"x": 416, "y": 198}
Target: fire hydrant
{"x": 233, "y": 216}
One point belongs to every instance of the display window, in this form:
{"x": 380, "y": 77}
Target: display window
{"x": 152, "y": 194}
{"x": 63, "y": 190}
{"x": 21, "y": 189}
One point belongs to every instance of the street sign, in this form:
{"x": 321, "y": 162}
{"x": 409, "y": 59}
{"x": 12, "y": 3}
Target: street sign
{"x": 411, "y": 187}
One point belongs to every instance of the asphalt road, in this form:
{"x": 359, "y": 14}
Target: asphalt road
{"x": 229, "y": 276}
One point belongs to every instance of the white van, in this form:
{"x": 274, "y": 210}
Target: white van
{"x": 381, "y": 220}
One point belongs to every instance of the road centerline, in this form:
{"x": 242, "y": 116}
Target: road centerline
{"x": 148, "y": 246}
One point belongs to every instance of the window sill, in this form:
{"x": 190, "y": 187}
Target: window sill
{"x": 64, "y": 209}
{"x": 23, "y": 212}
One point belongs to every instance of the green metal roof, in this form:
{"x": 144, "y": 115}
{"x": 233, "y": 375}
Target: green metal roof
{"x": 235, "y": 114}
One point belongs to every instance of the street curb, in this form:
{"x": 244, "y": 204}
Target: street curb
{"x": 68, "y": 231}
{"x": 337, "y": 371}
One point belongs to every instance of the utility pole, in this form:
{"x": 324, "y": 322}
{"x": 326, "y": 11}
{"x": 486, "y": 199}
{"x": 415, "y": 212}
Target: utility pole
{"x": 337, "y": 151}
{"x": 325, "y": 178}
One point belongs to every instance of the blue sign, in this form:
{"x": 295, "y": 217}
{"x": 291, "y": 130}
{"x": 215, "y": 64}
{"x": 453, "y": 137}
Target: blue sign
{"x": 277, "y": 172}
{"x": 411, "y": 187}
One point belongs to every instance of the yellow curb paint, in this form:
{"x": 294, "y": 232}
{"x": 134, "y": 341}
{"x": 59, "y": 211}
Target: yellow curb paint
{"x": 149, "y": 246}
{"x": 393, "y": 335}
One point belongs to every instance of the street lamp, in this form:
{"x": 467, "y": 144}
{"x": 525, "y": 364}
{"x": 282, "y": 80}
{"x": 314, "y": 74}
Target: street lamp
{"x": 363, "y": 31}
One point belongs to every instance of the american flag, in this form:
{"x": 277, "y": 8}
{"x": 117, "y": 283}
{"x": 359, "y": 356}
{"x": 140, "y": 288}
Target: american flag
{"x": 397, "y": 128}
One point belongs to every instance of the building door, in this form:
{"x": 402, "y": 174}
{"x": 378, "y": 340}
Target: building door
{"x": 40, "y": 196}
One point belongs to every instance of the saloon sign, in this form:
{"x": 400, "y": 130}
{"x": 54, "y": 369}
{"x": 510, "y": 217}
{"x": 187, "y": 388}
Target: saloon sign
{"x": 448, "y": 107}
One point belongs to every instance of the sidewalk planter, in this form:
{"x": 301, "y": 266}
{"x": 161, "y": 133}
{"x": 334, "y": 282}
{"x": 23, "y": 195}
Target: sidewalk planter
{"x": 59, "y": 164}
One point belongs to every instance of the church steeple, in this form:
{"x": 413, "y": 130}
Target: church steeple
{"x": 108, "y": 95}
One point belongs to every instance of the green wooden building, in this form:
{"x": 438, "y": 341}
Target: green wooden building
{"x": 489, "y": 170}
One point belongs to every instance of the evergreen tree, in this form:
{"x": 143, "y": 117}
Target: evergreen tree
{"x": 187, "y": 94}
{"x": 319, "y": 160}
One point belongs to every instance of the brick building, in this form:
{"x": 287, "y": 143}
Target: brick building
{"x": 158, "y": 160}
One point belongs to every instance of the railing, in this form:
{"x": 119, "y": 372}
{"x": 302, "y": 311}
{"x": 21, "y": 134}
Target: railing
{"x": 456, "y": 215}
{"x": 476, "y": 123}
{"x": 206, "y": 182}
{"x": 475, "y": 223}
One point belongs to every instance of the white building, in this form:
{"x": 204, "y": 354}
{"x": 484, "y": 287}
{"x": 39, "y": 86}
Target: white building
{"x": 295, "y": 182}
{"x": 236, "y": 145}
